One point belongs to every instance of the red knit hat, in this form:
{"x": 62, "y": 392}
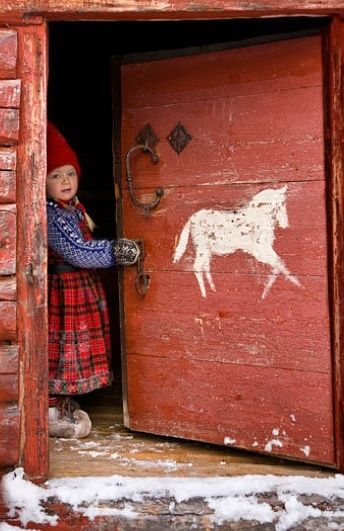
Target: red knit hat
{"x": 59, "y": 151}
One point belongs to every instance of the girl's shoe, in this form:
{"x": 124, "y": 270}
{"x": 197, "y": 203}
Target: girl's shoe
{"x": 75, "y": 425}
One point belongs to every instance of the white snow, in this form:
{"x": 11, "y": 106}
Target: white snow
{"x": 231, "y": 498}
{"x": 228, "y": 441}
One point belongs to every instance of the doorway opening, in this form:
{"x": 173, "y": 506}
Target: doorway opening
{"x": 81, "y": 104}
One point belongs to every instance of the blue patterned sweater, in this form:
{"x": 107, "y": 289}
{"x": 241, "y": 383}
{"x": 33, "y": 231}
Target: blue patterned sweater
{"x": 67, "y": 240}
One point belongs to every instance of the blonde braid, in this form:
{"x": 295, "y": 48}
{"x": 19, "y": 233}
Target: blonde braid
{"x": 91, "y": 225}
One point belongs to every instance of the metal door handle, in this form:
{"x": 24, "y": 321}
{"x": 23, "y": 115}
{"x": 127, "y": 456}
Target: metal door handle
{"x": 143, "y": 280}
{"x": 159, "y": 192}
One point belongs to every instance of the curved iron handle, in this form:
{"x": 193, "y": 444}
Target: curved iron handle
{"x": 159, "y": 192}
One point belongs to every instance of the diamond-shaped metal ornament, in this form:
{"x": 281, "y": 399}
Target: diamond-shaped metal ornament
{"x": 179, "y": 138}
{"x": 147, "y": 135}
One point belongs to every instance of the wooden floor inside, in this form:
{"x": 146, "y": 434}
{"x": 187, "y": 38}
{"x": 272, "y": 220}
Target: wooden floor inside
{"x": 112, "y": 449}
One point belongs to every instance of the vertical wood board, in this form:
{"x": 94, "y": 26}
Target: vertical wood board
{"x": 31, "y": 250}
{"x": 335, "y": 133}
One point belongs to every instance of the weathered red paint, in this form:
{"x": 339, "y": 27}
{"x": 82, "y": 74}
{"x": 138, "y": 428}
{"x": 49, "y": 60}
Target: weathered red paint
{"x": 31, "y": 251}
{"x": 7, "y": 186}
{"x": 125, "y": 9}
{"x": 225, "y": 366}
{"x": 335, "y": 136}
{"x": 166, "y": 9}
{"x": 8, "y": 159}
{"x": 8, "y": 325}
{"x": 7, "y": 239}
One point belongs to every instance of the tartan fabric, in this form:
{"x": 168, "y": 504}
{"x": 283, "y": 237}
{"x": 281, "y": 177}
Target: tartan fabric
{"x": 79, "y": 335}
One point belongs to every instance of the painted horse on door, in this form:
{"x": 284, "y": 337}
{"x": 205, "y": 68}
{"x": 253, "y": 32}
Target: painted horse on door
{"x": 250, "y": 229}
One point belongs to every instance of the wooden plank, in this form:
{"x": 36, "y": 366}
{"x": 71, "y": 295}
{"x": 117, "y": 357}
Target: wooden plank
{"x": 8, "y": 159}
{"x": 7, "y": 186}
{"x": 302, "y": 245}
{"x": 10, "y": 93}
{"x": 8, "y": 359}
{"x": 282, "y": 405}
{"x": 9, "y": 127}
{"x": 282, "y": 146}
{"x": 334, "y": 135}
{"x": 8, "y": 387}
{"x": 8, "y": 324}
{"x": 8, "y": 288}
{"x": 7, "y": 239}
{"x": 141, "y": 455}
{"x": 31, "y": 244}
{"x": 289, "y": 329}
{"x": 8, "y": 53}
{"x": 228, "y": 73}
{"x": 169, "y": 8}
{"x": 9, "y": 434}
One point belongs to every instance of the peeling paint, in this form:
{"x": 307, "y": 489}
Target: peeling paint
{"x": 306, "y": 450}
{"x": 227, "y": 441}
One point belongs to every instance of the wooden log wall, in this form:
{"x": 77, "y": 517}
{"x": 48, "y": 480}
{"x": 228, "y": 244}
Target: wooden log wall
{"x": 9, "y": 134}
{"x": 23, "y": 308}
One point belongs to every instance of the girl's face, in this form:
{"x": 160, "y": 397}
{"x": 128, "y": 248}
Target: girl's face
{"x": 62, "y": 183}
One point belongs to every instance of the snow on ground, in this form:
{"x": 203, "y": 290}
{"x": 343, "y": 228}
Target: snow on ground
{"x": 231, "y": 498}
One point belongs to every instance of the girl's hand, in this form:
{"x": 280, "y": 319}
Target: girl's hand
{"x": 126, "y": 251}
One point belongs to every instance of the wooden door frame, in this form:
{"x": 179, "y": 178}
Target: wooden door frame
{"x": 32, "y": 315}
{"x": 31, "y": 245}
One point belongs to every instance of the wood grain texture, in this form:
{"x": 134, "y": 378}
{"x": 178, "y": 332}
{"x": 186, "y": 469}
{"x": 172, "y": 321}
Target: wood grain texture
{"x": 9, "y": 127}
{"x": 7, "y": 186}
{"x": 31, "y": 256}
{"x": 10, "y": 93}
{"x": 233, "y": 351}
{"x": 7, "y": 239}
{"x": 141, "y": 455}
{"x": 302, "y": 253}
{"x": 335, "y": 135}
{"x": 8, "y": 288}
{"x": 213, "y": 401}
{"x": 8, "y": 324}
{"x": 8, "y": 359}
{"x": 223, "y": 74}
{"x": 168, "y": 8}
{"x": 287, "y": 330}
{"x": 8, "y": 53}
{"x": 274, "y": 146}
{"x": 9, "y": 434}
{"x": 8, "y": 159}
{"x": 9, "y": 388}
{"x": 233, "y": 138}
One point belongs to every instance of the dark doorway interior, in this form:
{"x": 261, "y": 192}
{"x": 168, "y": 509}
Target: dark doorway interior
{"x": 80, "y": 99}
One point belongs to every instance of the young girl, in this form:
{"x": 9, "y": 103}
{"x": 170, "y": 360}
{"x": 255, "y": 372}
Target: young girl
{"x": 79, "y": 339}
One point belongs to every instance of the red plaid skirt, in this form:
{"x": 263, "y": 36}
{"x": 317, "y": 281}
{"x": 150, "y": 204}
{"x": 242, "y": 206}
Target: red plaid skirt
{"x": 79, "y": 334}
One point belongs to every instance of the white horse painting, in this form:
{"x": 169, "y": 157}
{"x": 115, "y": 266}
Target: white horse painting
{"x": 250, "y": 229}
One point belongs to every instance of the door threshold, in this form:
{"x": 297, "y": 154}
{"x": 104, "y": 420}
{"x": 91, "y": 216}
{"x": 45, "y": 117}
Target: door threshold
{"x": 112, "y": 449}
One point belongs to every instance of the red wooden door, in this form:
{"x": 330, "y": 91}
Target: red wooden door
{"x": 231, "y": 344}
